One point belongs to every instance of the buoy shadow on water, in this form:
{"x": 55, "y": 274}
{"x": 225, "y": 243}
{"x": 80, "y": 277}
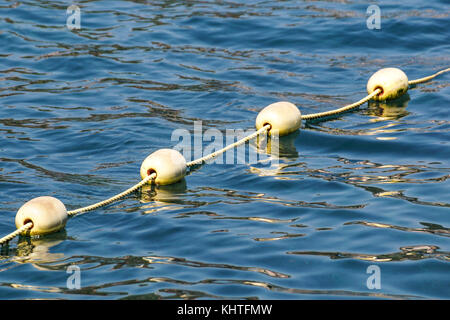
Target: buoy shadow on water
{"x": 39, "y": 251}
{"x": 389, "y": 110}
{"x": 277, "y": 147}
{"x": 161, "y": 198}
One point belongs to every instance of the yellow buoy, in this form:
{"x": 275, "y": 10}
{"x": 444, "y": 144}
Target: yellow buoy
{"x": 283, "y": 118}
{"x": 47, "y": 214}
{"x": 168, "y": 164}
{"x": 392, "y": 82}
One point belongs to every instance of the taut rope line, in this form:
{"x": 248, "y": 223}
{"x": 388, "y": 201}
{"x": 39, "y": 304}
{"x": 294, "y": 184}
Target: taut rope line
{"x": 231, "y": 146}
{"x": 114, "y": 198}
{"x": 425, "y": 79}
{"x": 341, "y": 110}
{"x": 12, "y": 235}
{"x": 167, "y": 167}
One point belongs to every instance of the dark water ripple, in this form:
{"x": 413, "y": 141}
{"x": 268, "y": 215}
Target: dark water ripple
{"x": 81, "y": 109}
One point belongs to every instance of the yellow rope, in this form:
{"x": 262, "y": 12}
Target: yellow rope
{"x": 233, "y": 145}
{"x": 14, "y": 234}
{"x": 341, "y": 110}
{"x": 114, "y": 198}
{"x": 153, "y": 175}
{"x": 424, "y": 79}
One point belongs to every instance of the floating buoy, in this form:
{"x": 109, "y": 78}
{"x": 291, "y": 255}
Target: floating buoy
{"x": 47, "y": 214}
{"x": 392, "y": 82}
{"x": 283, "y": 118}
{"x": 168, "y": 164}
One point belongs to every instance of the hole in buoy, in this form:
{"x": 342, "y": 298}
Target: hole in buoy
{"x": 270, "y": 126}
{"x": 28, "y": 220}
{"x": 150, "y": 171}
{"x": 381, "y": 91}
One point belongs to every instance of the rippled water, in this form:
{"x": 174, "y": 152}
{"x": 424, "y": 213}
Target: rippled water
{"x": 81, "y": 109}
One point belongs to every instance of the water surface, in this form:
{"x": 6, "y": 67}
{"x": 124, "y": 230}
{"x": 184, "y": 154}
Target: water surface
{"x": 81, "y": 109}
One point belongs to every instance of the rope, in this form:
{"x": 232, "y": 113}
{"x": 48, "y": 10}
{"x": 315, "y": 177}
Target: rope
{"x": 233, "y": 145}
{"x": 114, "y": 198}
{"x": 153, "y": 175}
{"x": 341, "y": 110}
{"x": 424, "y": 79}
{"x": 14, "y": 234}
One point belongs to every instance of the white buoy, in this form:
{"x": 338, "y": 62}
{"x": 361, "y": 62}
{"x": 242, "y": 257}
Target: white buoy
{"x": 47, "y": 214}
{"x": 283, "y": 118}
{"x": 392, "y": 82}
{"x": 168, "y": 164}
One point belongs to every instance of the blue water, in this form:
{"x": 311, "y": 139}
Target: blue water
{"x": 81, "y": 109}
